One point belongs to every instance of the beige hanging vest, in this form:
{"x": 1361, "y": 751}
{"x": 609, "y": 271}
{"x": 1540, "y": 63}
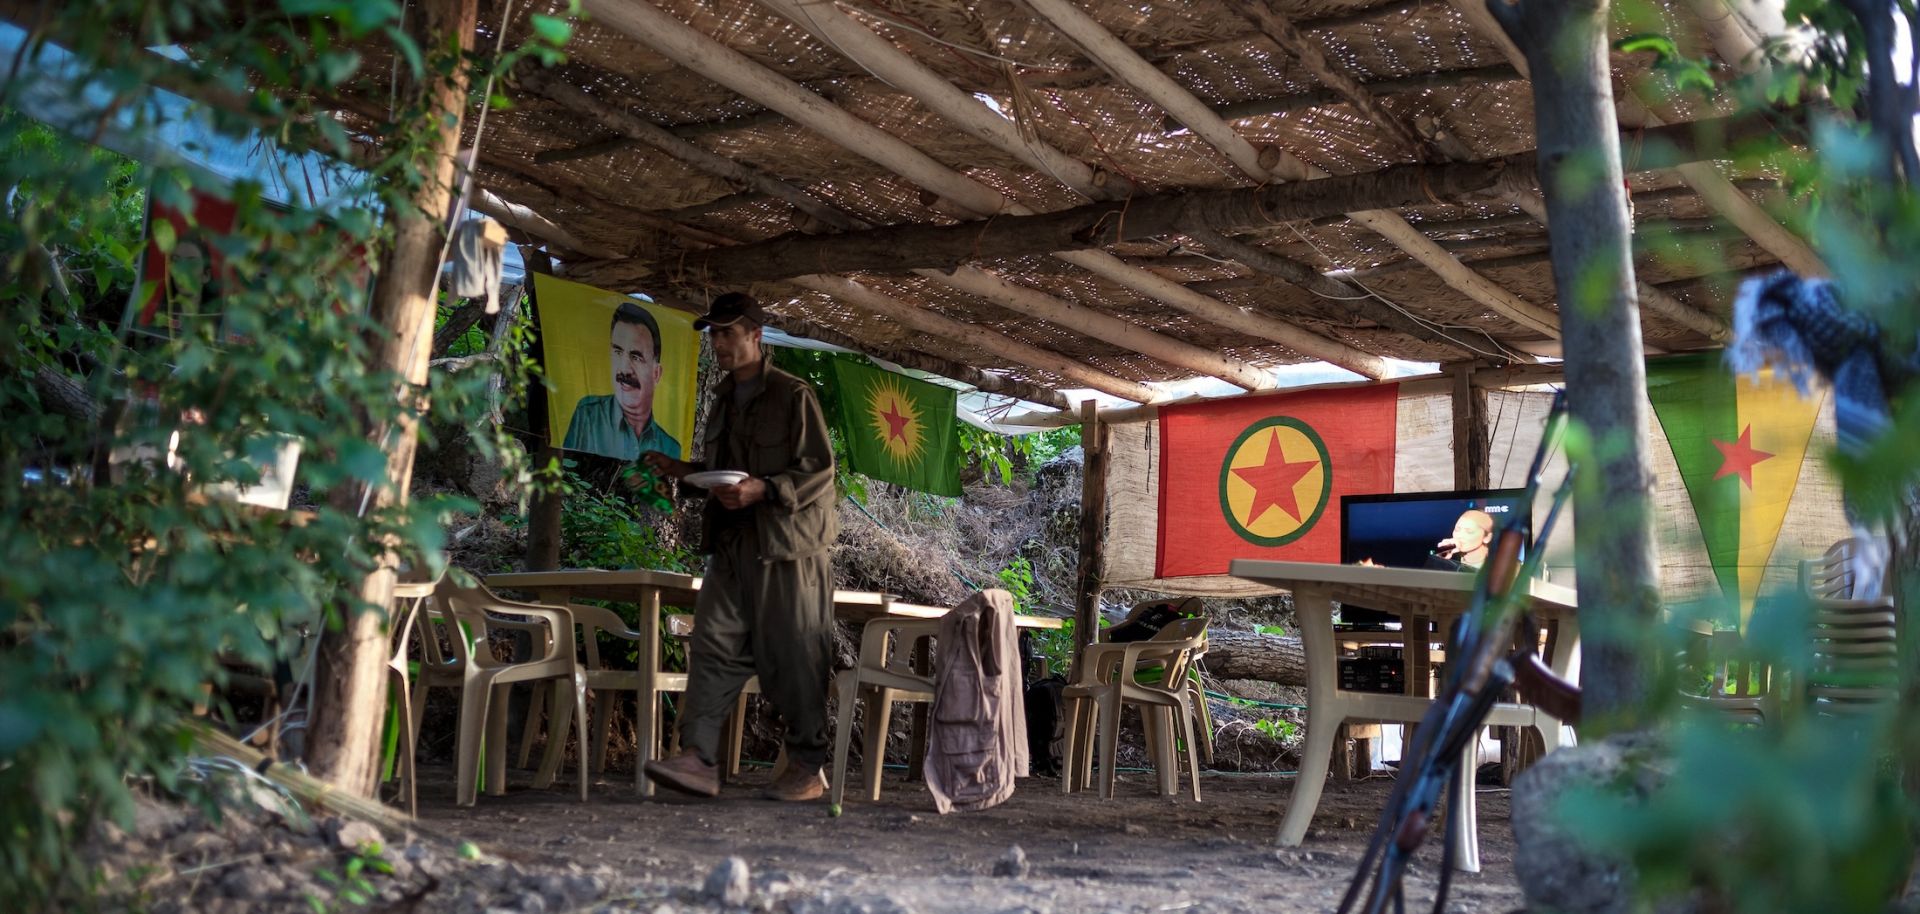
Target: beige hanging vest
{"x": 977, "y": 742}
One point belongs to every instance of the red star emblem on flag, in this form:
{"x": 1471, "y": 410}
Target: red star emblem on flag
{"x": 1273, "y": 482}
{"x": 896, "y": 423}
{"x": 1738, "y": 457}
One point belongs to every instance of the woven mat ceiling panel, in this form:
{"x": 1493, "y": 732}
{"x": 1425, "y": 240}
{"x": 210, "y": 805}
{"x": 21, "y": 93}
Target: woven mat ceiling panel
{"x": 863, "y": 139}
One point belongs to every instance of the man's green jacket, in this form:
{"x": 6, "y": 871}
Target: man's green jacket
{"x": 780, "y": 435}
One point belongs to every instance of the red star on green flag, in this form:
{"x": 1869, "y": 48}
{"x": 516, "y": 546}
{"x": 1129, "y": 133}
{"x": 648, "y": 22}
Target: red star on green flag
{"x": 1738, "y": 457}
{"x": 896, "y": 423}
{"x": 898, "y": 429}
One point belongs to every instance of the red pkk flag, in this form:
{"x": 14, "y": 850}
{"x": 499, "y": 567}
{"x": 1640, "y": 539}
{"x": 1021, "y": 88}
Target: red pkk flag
{"x": 1261, "y": 477}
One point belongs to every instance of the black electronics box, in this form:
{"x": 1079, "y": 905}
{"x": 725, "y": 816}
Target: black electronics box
{"x": 1377, "y": 669}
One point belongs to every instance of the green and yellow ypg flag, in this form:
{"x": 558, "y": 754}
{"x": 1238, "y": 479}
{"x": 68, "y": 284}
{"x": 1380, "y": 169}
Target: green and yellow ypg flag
{"x": 898, "y": 429}
{"x": 1739, "y": 443}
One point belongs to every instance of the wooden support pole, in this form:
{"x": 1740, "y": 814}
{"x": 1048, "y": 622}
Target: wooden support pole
{"x": 1471, "y": 450}
{"x": 1094, "y": 439}
{"x": 350, "y": 676}
{"x": 545, "y": 509}
{"x": 1566, "y": 46}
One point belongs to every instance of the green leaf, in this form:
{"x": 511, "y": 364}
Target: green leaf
{"x": 164, "y": 235}
{"x": 1660, "y": 45}
{"x": 404, "y": 44}
{"x": 551, "y": 29}
{"x": 337, "y": 67}
{"x": 363, "y": 461}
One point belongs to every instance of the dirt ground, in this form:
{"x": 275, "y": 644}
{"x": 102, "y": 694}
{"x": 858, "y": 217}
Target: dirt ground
{"x": 1135, "y": 853}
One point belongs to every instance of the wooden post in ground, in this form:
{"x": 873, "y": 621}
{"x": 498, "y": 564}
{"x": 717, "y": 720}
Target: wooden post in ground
{"x": 543, "y": 513}
{"x": 1472, "y": 460}
{"x": 1565, "y": 43}
{"x": 1094, "y": 438}
{"x": 350, "y": 676}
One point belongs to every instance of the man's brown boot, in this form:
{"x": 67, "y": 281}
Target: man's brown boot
{"x": 798, "y": 785}
{"x": 686, "y": 773}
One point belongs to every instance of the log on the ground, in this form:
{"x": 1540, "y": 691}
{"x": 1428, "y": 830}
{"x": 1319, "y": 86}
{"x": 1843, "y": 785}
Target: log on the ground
{"x": 1251, "y": 655}
{"x": 304, "y": 787}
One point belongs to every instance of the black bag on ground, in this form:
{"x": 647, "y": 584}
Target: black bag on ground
{"x": 1041, "y": 701}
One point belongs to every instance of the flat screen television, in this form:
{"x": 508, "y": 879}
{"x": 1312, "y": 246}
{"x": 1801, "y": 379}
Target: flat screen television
{"x": 1404, "y": 530}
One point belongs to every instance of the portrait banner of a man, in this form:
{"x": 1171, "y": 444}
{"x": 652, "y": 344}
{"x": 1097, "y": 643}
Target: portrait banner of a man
{"x": 181, "y": 270}
{"x": 622, "y": 371}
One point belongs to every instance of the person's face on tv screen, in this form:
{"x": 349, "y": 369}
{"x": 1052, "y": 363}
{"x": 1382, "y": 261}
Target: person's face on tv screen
{"x": 1469, "y": 534}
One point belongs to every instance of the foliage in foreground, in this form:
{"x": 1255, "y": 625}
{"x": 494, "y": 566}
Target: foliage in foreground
{"x": 120, "y": 597}
{"x": 1807, "y": 811}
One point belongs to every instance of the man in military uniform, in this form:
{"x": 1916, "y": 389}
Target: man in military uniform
{"x": 621, "y": 424}
{"x": 766, "y": 606}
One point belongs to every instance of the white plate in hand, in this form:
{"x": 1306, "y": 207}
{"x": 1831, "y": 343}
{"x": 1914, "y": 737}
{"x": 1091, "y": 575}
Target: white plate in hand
{"x": 713, "y": 479}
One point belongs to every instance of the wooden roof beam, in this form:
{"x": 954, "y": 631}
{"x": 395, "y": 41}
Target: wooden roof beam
{"x": 1322, "y": 98}
{"x": 881, "y": 58}
{"x": 1094, "y": 225}
{"x": 513, "y": 215}
{"x": 688, "y": 47}
{"x": 641, "y": 130}
{"x": 1466, "y": 342}
{"x": 1712, "y": 186}
{"x": 973, "y": 281}
{"x": 894, "y": 67}
{"x": 1129, "y": 68}
{"x": 970, "y": 280}
{"x": 1295, "y": 42}
{"x": 931, "y": 323}
{"x": 1291, "y": 39}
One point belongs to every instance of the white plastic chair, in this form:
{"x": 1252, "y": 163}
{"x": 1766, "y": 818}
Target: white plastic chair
{"x": 1107, "y": 682}
{"x": 604, "y": 680}
{"x": 410, "y": 596}
{"x": 467, "y": 615}
{"x": 884, "y": 674}
{"x": 1854, "y": 640}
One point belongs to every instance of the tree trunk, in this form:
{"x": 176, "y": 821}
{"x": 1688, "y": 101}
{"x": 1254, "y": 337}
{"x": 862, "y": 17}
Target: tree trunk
{"x": 543, "y": 513}
{"x": 1579, "y": 165}
{"x": 350, "y": 681}
{"x": 62, "y": 395}
{"x": 1250, "y": 655}
{"x": 496, "y": 346}
{"x": 458, "y": 323}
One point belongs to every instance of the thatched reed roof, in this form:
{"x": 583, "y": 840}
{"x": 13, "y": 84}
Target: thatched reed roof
{"x": 1341, "y": 87}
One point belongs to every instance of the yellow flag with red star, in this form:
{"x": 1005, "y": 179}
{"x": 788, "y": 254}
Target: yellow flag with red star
{"x": 1739, "y": 443}
{"x": 898, "y": 429}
